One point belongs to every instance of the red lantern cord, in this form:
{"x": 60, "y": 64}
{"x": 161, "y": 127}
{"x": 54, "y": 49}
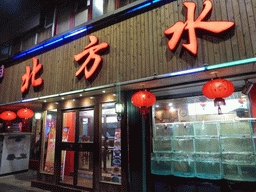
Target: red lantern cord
{"x": 144, "y": 111}
{"x": 218, "y": 89}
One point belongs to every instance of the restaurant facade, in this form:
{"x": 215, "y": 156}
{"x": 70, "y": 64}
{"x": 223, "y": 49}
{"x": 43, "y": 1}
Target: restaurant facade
{"x": 75, "y": 78}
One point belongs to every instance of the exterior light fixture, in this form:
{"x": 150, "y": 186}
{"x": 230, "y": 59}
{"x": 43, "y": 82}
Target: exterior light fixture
{"x": 37, "y": 115}
{"x": 119, "y": 110}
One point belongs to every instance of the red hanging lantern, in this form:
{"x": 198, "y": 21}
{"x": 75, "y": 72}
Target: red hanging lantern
{"x": 218, "y": 89}
{"x": 25, "y": 113}
{"x": 241, "y": 101}
{"x": 143, "y": 100}
{"x": 8, "y": 115}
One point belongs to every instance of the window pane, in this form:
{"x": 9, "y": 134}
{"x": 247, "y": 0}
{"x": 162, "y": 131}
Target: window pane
{"x": 63, "y": 19}
{"x": 111, "y": 145}
{"x": 86, "y": 119}
{"x": 67, "y": 167}
{"x": 85, "y": 169}
{"x": 36, "y": 129}
{"x": 48, "y": 144}
{"x": 69, "y": 123}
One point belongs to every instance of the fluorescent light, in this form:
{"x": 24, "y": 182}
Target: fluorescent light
{"x": 35, "y": 49}
{"x": 38, "y": 116}
{"x": 75, "y": 32}
{"x": 187, "y": 71}
{"x": 232, "y": 63}
{"x": 32, "y": 99}
{"x": 20, "y": 55}
{"x": 155, "y": 1}
{"x": 49, "y": 96}
{"x": 139, "y": 7}
{"x": 53, "y": 42}
{"x": 71, "y": 92}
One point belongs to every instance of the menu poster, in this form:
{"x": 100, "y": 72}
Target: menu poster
{"x": 49, "y": 161}
{"x": 117, "y": 149}
{"x": 63, "y": 153}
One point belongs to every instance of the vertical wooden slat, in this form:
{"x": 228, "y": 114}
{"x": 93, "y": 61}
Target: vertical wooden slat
{"x": 8, "y": 82}
{"x": 155, "y": 42}
{"x": 122, "y": 52}
{"x": 142, "y": 46}
{"x": 215, "y": 42}
{"x": 222, "y": 50}
{"x": 146, "y": 50}
{"x": 118, "y": 51}
{"x": 17, "y": 82}
{"x": 128, "y": 48}
{"x": 227, "y": 42}
{"x": 231, "y": 17}
{"x": 164, "y": 41}
{"x": 135, "y": 49}
{"x": 169, "y": 54}
{"x": 139, "y": 46}
{"x": 162, "y": 44}
{"x": 115, "y": 59}
{"x": 131, "y": 47}
{"x": 110, "y": 62}
{"x": 159, "y": 60}
{"x": 151, "y": 45}
{"x": 239, "y": 32}
{"x": 245, "y": 29}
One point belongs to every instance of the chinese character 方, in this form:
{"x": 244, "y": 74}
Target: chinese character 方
{"x": 191, "y": 24}
{"x": 91, "y": 52}
{"x": 31, "y": 75}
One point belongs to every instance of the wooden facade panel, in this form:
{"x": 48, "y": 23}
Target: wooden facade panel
{"x": 138, "y": 48}
{"x": 150, "y": 30}
{"x": 250, "y": 8}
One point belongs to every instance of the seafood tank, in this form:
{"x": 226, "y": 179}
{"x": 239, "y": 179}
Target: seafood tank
{"x": 191, "y": 140}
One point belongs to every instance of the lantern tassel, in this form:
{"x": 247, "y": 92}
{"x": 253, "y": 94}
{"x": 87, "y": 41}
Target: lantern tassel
{"x": 144, "y": 111}
{"x": 218, "y": 102}
{"x": 219, "y": 111}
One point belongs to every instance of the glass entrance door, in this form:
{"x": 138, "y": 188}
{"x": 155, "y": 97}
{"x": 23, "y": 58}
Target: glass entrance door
{"x": 77, "y": 148}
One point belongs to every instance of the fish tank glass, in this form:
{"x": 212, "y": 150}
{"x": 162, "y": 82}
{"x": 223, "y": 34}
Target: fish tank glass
{"x": 191, "y": 139}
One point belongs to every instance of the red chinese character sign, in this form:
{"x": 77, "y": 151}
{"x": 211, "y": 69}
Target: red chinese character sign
{"x": 31, "y": 76}
{"x": 92, "y": 60}
{"x": 191, "y": 24}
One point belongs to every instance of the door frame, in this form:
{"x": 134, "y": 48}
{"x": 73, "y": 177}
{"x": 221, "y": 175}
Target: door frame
{"x": 76, "y": 146}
